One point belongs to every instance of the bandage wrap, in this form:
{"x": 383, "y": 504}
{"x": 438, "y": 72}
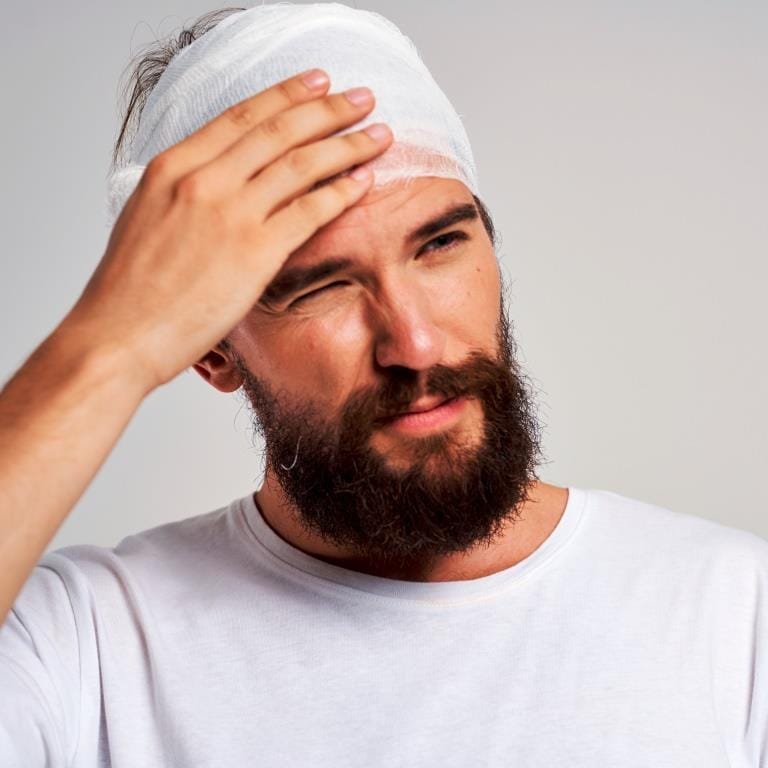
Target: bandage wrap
{"x": 254, "y": 49}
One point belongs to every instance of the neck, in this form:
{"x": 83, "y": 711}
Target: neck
{"x": 538, "y": 517}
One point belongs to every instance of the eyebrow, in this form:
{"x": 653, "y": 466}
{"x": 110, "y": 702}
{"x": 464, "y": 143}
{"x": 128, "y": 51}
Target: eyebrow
{"x": 293, "y": 280}
{"x": 453, "y": 215}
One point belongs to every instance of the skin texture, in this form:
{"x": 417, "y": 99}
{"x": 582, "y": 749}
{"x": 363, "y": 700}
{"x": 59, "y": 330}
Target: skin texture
{"x": 408, "y": 305}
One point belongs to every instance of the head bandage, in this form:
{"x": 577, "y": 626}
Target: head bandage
{"x": 254, "y": 49}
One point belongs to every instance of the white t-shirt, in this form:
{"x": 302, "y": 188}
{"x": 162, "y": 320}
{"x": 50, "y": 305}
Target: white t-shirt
{"x": 633, "y": 636}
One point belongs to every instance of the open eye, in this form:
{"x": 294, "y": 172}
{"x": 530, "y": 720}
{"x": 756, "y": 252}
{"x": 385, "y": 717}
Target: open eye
{"x": 445, "y": 242}
{"x": 316, "y": 291}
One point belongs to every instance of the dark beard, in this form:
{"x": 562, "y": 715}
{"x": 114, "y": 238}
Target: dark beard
{"x": 451, "y": 498}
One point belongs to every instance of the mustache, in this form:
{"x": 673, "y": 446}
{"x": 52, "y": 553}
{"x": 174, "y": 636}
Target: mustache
{"x": 477, "y": 377}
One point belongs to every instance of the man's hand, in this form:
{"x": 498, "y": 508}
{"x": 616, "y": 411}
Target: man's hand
{"x": 214, "y": 218}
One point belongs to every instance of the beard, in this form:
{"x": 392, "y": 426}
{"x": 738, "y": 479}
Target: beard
{"x": 453, "y": 495}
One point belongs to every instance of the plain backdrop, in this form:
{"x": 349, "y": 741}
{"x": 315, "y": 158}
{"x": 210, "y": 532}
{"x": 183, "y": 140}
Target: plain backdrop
{"x": 621, "y": 148}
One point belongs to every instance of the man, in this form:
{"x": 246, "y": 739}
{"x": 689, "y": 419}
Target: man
{"x": 402, "y": 589}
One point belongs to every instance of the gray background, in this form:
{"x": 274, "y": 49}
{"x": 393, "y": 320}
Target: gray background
{"x": 621, "y": 148}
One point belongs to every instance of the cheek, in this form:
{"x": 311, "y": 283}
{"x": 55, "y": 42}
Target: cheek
{"x": 324, "y": 355}
{"x": 467, "y": 299}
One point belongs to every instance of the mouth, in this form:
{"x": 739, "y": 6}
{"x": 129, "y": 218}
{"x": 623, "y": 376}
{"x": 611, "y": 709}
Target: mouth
{"x": 426, "y": 415}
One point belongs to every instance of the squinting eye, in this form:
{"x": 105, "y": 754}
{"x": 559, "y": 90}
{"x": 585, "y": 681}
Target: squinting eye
{"x": 446, "y": 241}
{"x": 316, "y": 291}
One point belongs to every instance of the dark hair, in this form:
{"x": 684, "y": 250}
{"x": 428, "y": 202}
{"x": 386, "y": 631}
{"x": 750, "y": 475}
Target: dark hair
{"x": 150, "y": 63}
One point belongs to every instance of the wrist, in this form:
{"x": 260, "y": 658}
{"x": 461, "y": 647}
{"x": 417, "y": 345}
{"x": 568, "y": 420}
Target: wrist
{"x": 104, "y": 364}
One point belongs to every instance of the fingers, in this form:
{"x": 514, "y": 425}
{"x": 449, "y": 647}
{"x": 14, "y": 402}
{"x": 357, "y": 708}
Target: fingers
{"x": 214, "y": 137}
{"x": 279, "y": 134}
{"x": 296, "y": 222}
{"x": 302, "y": 168}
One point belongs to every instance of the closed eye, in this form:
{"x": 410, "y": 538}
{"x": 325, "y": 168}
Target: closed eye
{"x": 316, "y": 291}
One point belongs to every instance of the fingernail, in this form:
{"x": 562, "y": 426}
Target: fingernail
{"x": 359, "y": 96}
{"x": 377, "y": 131}
{"x": 315, "y": 79}
{"x": 361, "y": 173}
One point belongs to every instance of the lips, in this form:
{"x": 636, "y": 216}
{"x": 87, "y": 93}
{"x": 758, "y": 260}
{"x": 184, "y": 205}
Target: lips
{"x": 425, "y": 405}
{"x": 420, "y": 406}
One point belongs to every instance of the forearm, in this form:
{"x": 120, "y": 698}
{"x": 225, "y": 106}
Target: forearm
{"x": 60, "y": 415}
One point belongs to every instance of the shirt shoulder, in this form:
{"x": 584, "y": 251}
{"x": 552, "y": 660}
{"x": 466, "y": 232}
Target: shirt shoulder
{"x": 180, "y": 550}
{"x": 655, "y": 531}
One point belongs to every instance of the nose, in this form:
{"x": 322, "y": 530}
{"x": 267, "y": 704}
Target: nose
{"x": 406, "y": 333}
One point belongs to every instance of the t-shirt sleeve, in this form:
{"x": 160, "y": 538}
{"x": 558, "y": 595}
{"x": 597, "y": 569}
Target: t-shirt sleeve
{"x": 40, "y": 671}
{"x": 739, "y": 632}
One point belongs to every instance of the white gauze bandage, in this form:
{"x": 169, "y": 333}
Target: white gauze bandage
{"x": 254, "y": 49}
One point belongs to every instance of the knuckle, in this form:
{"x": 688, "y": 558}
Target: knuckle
{"x": 191, "y": 188}
{"x": 299, "y": 162}
{"x": 340, "y": 192}
{"x": 346, "y": 192}
{"x": 273, "y": 127}
{"x": 240, "y": 114}
{"x": 285, "y": 91}
{"x": 359, "y": 140}
{"x": 307, "y": 206}
{"x": 337, "y": 106}
{"x": 159, "y": 168}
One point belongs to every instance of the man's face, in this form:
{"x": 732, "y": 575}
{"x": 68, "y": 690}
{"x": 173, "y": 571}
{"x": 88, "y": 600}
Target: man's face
{"x": 372, "y": 319}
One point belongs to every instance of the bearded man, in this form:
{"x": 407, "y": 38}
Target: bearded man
{"x": 402, "y": 589}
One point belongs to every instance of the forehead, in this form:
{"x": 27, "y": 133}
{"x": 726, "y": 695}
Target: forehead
{"x": 384, "y": 215}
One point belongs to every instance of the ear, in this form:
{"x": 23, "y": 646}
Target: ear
{"x": 218, "y": 368}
